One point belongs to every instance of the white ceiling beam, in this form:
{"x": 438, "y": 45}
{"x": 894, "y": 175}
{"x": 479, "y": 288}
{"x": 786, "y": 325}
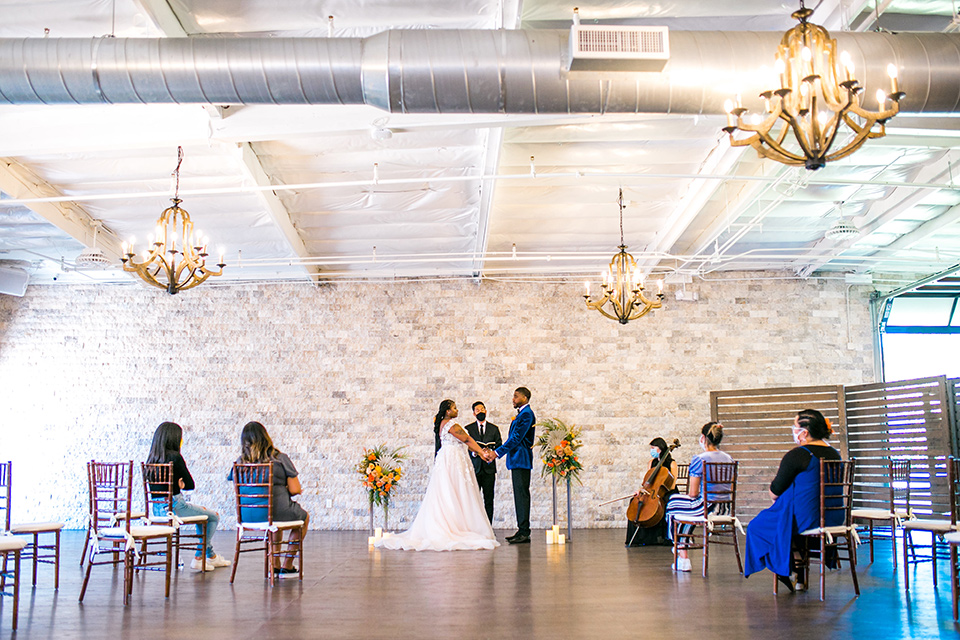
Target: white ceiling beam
{"x": 906, "y": 241}
{"x": 747, "y": 195}
{"x": 871, "y": 10}
{"x": 880, "y": 213}
{"x": 163, "y": 17}
{"x": 721, "y": 159}
{"x": 491, "y": 161}
{"x": 19, "y": 182}
{"x": 253, "y": 171}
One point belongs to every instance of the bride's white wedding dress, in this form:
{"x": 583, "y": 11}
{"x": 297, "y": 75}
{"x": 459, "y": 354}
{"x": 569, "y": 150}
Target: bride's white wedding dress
{"x": 451, "y": 516}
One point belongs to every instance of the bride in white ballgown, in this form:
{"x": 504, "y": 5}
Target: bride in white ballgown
{"x": 451, "y": 516}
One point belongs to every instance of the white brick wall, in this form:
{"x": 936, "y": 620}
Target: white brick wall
{"x": 89, "y": 372}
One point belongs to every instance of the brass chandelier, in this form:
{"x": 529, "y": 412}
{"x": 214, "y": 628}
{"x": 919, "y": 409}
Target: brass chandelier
{"x": 160, "y": 266}
{"x": 622, "y": 296}
{"x": 813, "y": 102}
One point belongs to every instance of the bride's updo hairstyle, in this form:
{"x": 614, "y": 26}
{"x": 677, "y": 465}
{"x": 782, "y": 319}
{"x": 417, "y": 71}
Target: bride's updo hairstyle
{"x": 441, "y": 414}
{"x": 816, "y": 425}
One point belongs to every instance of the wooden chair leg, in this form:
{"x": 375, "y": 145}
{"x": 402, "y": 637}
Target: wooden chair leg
{"x": 871, "y": 540}
{"x": 86, "y": 578}
{"x": 270, "y": 557}
{"x": 36, "y": 553}
{"x": 954, "y": 578}
{"x": 303, "y": 534}
{"x": 852, "y": 552}
{"x": 736, "y": 549}
{"x": 127, "y": 576}
{"x": 906, "y": 560}
{"x": 169, "y": 563}
{"x": 676, "y": 542}
{"x": 893, "y": 540}
{"x": 86, "y": 543}
{"x": 56, "y": 562}
{"x": 706, "y": 549}
{"x": 236, "y": 558}
{"x": 16, "y": 586}
{"x": 3, "y": 572}
{"x": 933, "y": 556}
{"x": 823, "y": 567}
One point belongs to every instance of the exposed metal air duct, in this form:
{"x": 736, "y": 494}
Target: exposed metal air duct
{"x": 468, "y": 71}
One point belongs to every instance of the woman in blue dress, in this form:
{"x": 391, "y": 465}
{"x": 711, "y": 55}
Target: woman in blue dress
{"x": 796, "y": 494}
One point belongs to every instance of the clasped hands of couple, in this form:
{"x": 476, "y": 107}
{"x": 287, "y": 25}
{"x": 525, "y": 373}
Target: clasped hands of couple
{"x": 488, "y": 455}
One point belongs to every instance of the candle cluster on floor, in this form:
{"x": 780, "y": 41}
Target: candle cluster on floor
{"x": 555, "y": 537}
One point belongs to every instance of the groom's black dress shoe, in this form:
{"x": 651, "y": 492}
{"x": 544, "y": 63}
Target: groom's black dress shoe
{"x": 518, "y": 539}
{"x": 513, "y": 537}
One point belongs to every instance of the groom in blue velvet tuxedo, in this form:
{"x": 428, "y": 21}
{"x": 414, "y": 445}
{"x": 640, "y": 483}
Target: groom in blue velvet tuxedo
{"x": 519, "y": 451}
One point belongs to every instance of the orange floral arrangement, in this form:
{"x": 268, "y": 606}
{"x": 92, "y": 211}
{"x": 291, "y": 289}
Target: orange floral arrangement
{"x": 558, "y": 449}
{"x": 380, "y": 472}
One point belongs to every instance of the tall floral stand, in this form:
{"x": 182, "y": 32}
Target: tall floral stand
{"x": 386, "y": 517}
{"x": 556, "y": 520}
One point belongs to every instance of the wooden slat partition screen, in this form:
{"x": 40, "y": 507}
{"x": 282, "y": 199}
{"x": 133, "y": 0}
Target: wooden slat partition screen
{"x": 757, "y": 433}
{"x": 903, "y": 419}
{"x": 953, "y": 393}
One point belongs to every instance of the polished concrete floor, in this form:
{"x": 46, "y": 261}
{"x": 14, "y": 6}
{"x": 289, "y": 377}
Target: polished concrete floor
{"x": 592, "y": 588}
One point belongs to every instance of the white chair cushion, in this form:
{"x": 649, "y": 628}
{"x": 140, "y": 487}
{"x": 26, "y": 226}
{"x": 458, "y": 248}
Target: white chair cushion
{"x": 690, "y": 519}
{"x": 142, "y": 531}
{"x": 928, "y": 525}
{"x": 263, "y": 526}
{"x": 183, "y": 519}
{"x": 10, "y": 543}
{"x": 952, "y": 538}
{"x": 35, "y": 527}
{"x": 838, "y": 530}
{"x": 873, "y": 514}
{"x": 151, "y": 531}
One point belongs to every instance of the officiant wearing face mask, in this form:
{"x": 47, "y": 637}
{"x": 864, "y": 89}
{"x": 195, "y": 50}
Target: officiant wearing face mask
{"x": 487, "y": 435}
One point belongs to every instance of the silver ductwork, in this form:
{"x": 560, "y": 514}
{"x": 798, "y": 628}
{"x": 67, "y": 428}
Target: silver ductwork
{"x": 466, "y": 71}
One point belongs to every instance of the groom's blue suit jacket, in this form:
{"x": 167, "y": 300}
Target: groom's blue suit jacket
{"x": 519, "y": 445}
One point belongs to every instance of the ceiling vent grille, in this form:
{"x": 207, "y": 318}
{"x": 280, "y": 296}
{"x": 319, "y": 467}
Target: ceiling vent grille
{"x": 610, "y": 48}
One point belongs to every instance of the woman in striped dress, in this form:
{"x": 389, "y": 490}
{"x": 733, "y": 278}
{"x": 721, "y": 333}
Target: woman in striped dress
{"x": 692, "y": 503}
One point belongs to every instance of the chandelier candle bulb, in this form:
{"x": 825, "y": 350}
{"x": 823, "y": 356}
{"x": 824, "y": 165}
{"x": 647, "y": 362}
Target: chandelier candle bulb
{"x": 892, "y": 72}
{"x": 587, "y": 286}
{"x": 881, "y": 97}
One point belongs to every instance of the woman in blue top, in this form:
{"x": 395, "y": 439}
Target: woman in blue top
{"x": 796, "y": 495}
{"x": 692, "y": 503}
{"x": 167, "y": 440}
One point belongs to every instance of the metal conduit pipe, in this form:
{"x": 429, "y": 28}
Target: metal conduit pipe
{"x": 446, "y": 71}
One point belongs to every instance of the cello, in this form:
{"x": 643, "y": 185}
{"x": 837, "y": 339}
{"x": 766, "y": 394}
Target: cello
{"x": 646, "y": 509}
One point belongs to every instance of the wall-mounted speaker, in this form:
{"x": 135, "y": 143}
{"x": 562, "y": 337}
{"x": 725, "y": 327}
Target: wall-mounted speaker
{"x": 13, "y": 281}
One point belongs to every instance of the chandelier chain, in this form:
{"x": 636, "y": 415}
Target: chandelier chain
{"x": 620, "y": 203}
{"x": 176, "y": 174}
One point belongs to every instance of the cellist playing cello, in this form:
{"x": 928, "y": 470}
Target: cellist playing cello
{"x": 656, "y": 535}
{"x": 710, "y": 436}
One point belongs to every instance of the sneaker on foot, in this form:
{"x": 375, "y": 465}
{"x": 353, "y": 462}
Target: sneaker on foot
{"x": 683, "y": 564}
{"x": 283, "y": 572}
{"x": 197, "y": 564}
{"x": 218, "y": 561}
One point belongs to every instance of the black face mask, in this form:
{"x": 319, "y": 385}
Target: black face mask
{"x": 481, "y": 417}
